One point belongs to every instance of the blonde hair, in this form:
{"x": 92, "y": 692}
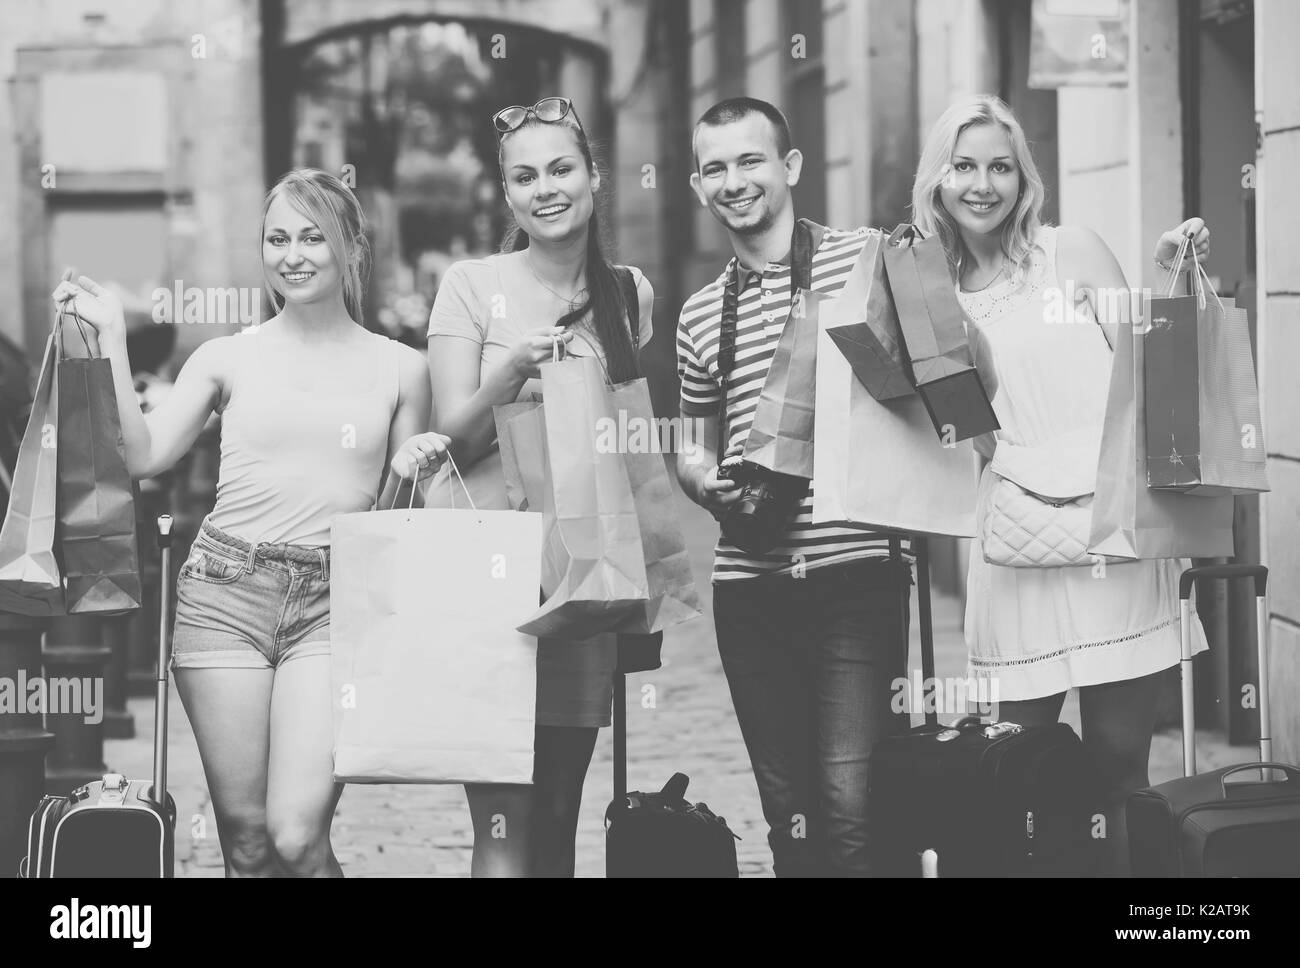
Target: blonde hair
{"x": 335, "y": 211}
{"x": 1020, "y": 228}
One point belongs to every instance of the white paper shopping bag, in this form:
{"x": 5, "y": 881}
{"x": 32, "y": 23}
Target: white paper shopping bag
{"x": 879, "y": 463}
{"x": 432, "y": 682}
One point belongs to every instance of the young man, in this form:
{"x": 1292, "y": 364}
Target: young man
{"x": 813, "y": 632}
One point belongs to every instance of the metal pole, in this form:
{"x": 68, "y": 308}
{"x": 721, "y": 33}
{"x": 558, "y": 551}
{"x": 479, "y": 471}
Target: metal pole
{"x": 620, "y": 738}
{"x": 1265, "y": 740}
{"x": 1189, "y": 706}
{"x": 1262, "y": 282}
{"x": 160, "y": 697}
{"x": 921, "y": 547}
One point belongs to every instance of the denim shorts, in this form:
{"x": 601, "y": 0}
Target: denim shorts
{"x": 245, "y": 606}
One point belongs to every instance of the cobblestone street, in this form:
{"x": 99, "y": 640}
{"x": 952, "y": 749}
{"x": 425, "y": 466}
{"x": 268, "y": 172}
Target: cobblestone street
{"x": 424, "y": 831}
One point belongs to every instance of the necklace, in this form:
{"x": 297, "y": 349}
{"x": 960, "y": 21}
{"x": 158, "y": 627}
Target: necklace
{"x": 996, "y": 276}
{"x": 571, "y": 301}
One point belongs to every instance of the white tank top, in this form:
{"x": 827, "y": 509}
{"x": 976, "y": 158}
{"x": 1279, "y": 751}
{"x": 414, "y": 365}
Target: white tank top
{"x": 290, "y": 459}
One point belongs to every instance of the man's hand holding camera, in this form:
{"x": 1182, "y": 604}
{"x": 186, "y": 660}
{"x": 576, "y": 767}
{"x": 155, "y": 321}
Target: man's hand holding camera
{"x": 753, "y": 504}
{"x": 716, "y": 493}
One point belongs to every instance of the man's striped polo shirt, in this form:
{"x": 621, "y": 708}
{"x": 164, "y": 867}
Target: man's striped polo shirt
{"x": 762, "y": 310}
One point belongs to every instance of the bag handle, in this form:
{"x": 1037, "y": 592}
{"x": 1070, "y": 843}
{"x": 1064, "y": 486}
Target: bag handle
{"x": 676, "y": 786}
{"x": 905, "y": 232}
{"x": 469, "y": 497}
{"x": 1291, "y": 772}
{"x": 1176, "y": 265}
{"x": 81, "y": 331}
{"x": 1200, "y": 281}
{"x": 1257, "y": 572}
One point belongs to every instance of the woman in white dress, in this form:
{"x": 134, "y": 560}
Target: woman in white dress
{"x": 1043, "y": 344}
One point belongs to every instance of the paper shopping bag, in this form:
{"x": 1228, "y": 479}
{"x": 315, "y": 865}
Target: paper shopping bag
{"x": 523, "y": 453}
{"x": 781, "y": 434}
{"x": 1202, "y": 415}
{"x": 673, "y": 598}
{"x": 431, "y": 681}
{"x": 863, "y": 324}
{"x": 593, "y": 573}
{"x": 30, "y": 580}
{"x": 1130, "y": 519}
{"x": 933, "y": 330}
{"x": 96, "y": 532}
{"x": 879, "y": 464}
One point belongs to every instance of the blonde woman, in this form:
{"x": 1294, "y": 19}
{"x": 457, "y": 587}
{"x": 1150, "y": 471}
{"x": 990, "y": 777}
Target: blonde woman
{"x": 1039, "y": 632}
{"x": 313, "y": 409}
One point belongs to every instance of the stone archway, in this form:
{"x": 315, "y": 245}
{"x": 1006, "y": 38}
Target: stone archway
{"x": 398, "y": 103}
{"x": 307, "y": 21}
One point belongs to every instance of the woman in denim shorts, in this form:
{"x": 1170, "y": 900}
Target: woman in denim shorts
{"x": 313, "y": 408}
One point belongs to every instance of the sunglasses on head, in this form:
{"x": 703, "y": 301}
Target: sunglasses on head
{"x": 549, "y": 110}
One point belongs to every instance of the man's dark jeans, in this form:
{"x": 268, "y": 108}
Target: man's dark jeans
{"x": 810, "y": 662}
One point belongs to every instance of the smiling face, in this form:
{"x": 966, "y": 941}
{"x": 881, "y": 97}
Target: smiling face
{"x": 742, "y": 177}
{"x": 983, "y": 187}
{"x": 296, "y": 256}
{"x": 547, "y": 181}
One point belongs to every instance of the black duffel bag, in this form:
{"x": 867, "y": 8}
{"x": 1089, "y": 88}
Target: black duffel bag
{"x": 662, "y": 835}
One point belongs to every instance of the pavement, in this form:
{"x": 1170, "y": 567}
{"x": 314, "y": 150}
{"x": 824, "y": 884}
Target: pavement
{"x": 685, "y": 723}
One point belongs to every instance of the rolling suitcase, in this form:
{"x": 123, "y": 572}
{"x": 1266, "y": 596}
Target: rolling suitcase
{"x": 991, "y": 800}
{"x": 1203, "y": 825}
{"x": 660, "y": 834}
{"x": 114, "y": 827}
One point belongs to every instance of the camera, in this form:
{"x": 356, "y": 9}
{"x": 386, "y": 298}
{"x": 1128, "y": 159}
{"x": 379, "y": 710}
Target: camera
{"x": 768, "y": 501}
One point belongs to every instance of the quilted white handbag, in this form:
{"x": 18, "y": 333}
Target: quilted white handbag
{"x": 1035, "y": 504}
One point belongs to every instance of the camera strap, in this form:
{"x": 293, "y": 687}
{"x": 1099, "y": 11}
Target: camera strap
{"x": 804, "y": 243}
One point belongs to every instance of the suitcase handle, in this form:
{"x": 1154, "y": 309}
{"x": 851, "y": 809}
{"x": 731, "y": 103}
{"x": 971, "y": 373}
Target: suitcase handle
{"x": 1291, "y": 772}
{"x": 1258, "y": 572}
{"x": 1185, "y": 580}
{"x": 164, "y": 647}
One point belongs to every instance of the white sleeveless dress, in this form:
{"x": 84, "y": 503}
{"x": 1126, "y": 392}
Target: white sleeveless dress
{"x": 1040, "y": 631}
